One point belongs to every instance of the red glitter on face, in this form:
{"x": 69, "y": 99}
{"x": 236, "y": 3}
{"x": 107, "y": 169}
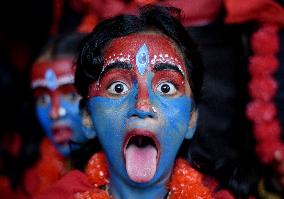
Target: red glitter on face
{"x": 161, "y": 50}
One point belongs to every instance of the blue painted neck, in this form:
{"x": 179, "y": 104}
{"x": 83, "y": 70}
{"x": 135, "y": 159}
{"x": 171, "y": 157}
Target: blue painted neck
{"x": 121, "y": 189}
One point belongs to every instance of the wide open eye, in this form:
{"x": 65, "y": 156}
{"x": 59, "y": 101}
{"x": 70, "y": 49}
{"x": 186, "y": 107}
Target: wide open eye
{"x": 167, "y": 88}
{"x": 43, "y": 100}
{"x": 118, "y": 88}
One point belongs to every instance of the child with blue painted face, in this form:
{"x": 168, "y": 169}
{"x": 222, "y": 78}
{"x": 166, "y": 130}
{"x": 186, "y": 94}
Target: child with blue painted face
{"x": 56, "y": 99}
{"x": 57, "y": 110}
{"x": 140, "y": 79}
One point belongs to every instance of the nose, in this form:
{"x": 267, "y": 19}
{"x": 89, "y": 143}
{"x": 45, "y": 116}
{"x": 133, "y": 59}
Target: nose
{"x": 57, "y": 110}
{"x": 143, "y": 106}
{"x": 142, "y": 97}
{"x": 142, "y": 114}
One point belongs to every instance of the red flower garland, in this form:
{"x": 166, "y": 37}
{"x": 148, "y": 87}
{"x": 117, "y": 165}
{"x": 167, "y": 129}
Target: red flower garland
{"x": 49, "y": 169}
{"x": 262, "y": 88}
{"x": 185, "y": 182}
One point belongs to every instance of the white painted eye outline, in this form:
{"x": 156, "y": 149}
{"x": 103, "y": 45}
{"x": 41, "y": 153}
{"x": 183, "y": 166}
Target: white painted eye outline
{"x": 43, "y": 100}
{"x": 173, "y": 90}
{"x": 111, "y": 88}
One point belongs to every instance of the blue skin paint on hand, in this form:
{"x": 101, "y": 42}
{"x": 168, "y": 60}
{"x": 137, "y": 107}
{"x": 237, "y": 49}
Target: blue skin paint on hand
{"x": 72, "y": 119}
{"x": 113, "y": 117}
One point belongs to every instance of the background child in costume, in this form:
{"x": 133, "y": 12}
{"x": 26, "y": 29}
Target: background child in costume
{"x": 21, "y": 145}
{"x": 57, "y": 109}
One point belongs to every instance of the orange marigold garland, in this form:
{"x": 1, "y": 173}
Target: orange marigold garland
{"x": 185, "y": 182}
{"x": 262, "y": 88}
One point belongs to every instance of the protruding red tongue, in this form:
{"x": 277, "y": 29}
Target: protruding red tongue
{"x": 141, "y": 162}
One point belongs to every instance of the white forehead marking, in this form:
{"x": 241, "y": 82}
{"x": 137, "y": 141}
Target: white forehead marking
{"x": 114, "y": 58}
{"x": 164, "y": 58}
{"x": 142, "y": 59}
{"x": 51, "y": 81}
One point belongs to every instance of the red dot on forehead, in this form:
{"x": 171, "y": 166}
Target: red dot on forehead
{"x": 60, "y": 68}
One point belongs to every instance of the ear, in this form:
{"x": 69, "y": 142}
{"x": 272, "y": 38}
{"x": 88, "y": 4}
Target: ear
{"x": 88, "y": 129}
{"x": 192, "y": 124}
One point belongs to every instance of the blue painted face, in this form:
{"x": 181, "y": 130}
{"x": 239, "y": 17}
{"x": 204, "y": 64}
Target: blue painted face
{"x": 141, "y": 107}
{"x": 57, "y": 104}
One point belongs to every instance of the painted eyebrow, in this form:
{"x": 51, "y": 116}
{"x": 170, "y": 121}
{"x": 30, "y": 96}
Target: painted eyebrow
{"x": 166, "y": 66}
{"x": 116, "y": 65}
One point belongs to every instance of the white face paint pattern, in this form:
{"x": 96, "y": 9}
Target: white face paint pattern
{"x": 165, "y": 59}
{"x": 51, "y": 81}
{"x": 117, "y": 58}
{"x": 112, "y": 59}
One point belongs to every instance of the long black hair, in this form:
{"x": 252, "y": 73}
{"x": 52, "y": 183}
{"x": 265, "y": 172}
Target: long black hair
{"x": 166, "y": 21}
